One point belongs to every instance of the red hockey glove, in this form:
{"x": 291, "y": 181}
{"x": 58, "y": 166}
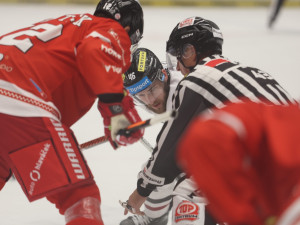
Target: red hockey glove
{"x": 119, "y": 115}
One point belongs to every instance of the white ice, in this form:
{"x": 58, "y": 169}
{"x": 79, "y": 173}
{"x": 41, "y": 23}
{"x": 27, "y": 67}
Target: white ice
{"x": 247, "y": 40}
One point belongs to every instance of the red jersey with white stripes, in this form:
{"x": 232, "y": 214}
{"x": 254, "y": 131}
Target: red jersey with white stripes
{"x": 66, "y": 61}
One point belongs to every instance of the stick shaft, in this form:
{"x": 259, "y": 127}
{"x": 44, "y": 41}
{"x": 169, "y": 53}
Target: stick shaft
{"x": 146, "y": 144}
{"x": 149, "y": 122}
{"x": 94, "y": 142}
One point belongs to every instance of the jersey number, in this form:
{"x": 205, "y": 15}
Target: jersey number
{"x": 22, "y": 39}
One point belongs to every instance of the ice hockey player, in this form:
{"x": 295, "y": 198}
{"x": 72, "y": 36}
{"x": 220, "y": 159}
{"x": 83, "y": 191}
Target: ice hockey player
{"x": 245, "y": 158}
{"x": 53, "y": 71}
{"x": 152, "y": 86}
{"x": 211, "y": 80}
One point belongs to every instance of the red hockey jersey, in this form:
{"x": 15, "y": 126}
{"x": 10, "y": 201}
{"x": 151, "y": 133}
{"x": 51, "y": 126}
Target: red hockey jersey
{"x": 245, "y": 158}
{"x": 61, "y": 65}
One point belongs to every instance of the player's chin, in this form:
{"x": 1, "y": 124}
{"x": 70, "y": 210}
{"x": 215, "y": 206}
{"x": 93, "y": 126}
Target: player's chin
{"x": 159, "y": 110}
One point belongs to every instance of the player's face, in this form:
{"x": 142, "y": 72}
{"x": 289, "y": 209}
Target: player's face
{"x": 155, "y": 96}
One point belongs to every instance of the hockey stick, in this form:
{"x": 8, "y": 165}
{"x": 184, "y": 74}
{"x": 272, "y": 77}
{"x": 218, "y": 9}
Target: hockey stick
{"x": 103, "y": 139}
{"x": 133, "y": 127}
{"x": 92, "y": 143}
{"x": 146, "y": 144}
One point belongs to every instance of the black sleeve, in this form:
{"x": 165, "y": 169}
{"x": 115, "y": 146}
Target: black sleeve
{"x": 110, "y": 98}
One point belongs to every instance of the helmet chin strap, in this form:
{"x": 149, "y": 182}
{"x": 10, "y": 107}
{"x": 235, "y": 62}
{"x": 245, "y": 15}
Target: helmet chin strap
{"x": 190, "y": 68}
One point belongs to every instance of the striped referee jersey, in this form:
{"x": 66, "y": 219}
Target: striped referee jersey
{"x": 214, "y": 82}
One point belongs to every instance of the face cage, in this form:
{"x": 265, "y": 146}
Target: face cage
{"x": 171, "y": 57}
{"x": 171, "y": 61}
{"x": 133, "y": 48}
{"x": 175, "y": 55}
{"x": 136, "y": 37}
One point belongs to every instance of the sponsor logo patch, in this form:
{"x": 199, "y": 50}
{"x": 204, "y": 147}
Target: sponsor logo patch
{"x": 35, "y": 174}
{"x": 5, "y": 67}
{"x": 68, "y": 148}
{"x": 187, "y": 35}
{"x": 152, "y": 179}
{"x": 142, "y": 61}
{"x": 186, "y": 22}
{"x": 217, "y": 33}
{"x": 116, "y": 109}
{"x": 186, "y": 210}
{"x": 110, "y": 51}
{"x": 115, "y": 69}
{"x": 139, "y": 86}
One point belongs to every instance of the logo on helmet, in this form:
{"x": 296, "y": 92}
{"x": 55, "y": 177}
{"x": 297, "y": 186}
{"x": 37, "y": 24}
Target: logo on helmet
{"x": 118, "y": 16}
{"x": 217, "y": 33}
{"x": 107, "y": 6}
{"x": 131, "y": 76}
{"x": 186, "y": 35}
{"x": 186, "y": 22}
{"x": 139, "y": 86}
{"x": 142, "y": 61}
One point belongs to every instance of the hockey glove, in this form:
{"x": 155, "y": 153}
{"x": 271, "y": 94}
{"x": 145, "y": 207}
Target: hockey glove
{"x": 119, "y": 115}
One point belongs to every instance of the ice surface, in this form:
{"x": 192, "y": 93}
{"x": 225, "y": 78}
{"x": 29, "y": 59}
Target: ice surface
{"x": 247, "y": 40}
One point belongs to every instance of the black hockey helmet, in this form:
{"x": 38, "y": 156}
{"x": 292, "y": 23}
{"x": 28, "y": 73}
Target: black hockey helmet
{"x": 144, "y": 69}
{"x": 203, "y": 34}
{"x": 127, "y": 13}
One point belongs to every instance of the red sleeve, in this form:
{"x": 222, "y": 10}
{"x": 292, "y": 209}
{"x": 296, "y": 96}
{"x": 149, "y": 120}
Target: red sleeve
{"x": 102, "y": 59}
{"x": 282, "y": 132}
{"x": 215, "y": 153}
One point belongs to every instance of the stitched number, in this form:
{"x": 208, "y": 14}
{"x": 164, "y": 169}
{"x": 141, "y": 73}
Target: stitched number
{"x": 22, "y": 39}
